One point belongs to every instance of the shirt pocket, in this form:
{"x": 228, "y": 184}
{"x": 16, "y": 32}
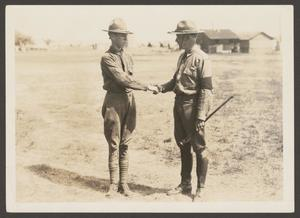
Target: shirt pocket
{"x": 190, "y": 71}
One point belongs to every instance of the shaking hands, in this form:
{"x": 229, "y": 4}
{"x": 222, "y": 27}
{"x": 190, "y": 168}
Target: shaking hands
{"x": 154, "y": 89}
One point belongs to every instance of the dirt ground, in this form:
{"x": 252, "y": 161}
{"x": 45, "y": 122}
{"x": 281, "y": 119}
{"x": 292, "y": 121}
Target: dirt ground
{"x": 61, "y": 152}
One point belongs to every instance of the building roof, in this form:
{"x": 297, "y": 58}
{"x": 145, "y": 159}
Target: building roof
{"x": 252, "y": 35}
{"x": 220, "y": 34}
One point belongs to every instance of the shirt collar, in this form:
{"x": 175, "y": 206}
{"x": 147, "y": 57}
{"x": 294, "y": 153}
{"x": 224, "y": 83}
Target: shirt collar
{"x": 115, "y": 51}
{"x": 194, "y": 49}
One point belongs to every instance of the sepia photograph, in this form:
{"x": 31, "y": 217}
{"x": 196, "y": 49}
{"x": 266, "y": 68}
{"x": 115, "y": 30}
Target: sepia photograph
{"x": 161, "y": 108}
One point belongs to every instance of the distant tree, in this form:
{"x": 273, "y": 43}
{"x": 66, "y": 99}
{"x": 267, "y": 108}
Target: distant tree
{"x": 21, "y": 39}
{"x": 94, "y": 46}
{"x": 48, "y": 41}
{"x": 277, "y": 47}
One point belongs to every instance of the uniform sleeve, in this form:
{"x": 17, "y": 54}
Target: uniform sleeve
{"x": 205, "y": 97}
{"x": 109, "y": 65}
{"x": 168, "y": 86}
{"x": 130, "y": 65}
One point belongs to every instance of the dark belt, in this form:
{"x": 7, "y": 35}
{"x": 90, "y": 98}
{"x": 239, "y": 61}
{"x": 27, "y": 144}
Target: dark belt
{"x": 129, "y": 94}
{"x": 184, "y": 97}
{"x": 180, "y": 91}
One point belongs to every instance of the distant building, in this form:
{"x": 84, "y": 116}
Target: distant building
{"x": 257, "y": 42}
{"x": 218, "y": 41}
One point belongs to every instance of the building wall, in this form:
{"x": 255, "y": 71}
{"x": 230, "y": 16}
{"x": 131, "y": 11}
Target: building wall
{"x": 244, "y": 46}
{"x": 229, "y": 44}
{"x": 218, "y": 45}
{"x": 214, "y": 46}
{"x": 262, "y": 43}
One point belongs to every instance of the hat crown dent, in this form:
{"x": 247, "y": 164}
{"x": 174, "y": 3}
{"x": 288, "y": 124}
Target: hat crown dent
{"x": 185, "y": 25}
{"x": 118, "y": 24}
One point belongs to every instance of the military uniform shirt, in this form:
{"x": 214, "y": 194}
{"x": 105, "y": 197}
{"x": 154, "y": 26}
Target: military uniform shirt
{"x": 193, "y": 75}
{"x": 117, "y": 71}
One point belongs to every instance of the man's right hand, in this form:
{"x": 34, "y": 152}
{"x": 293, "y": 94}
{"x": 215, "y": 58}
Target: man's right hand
{"x": 200, "y": 125}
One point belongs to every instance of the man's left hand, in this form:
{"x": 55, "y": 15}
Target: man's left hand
{"x": 154, "y": 89}
{"x": 200, "y": 125}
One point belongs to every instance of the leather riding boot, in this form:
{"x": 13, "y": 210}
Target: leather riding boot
{"x": 180, "y": 189}
{"x": 186, "y": 168}
{"x": 202, "y": 165}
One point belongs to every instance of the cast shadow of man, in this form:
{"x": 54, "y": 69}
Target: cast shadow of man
{"x": 68, "y": 178}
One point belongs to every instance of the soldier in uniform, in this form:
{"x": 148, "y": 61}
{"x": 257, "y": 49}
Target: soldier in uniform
{"x": 119, "y": 109}
{"x": 192, "y": 84}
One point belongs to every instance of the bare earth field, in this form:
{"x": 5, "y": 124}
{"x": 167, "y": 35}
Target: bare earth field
{"x": 61, "y": 152}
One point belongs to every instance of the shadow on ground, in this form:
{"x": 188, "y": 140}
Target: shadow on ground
{"x": 68, "y": 178}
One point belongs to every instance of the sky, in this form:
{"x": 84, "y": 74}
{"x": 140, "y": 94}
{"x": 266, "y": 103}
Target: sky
{"x": 149, "y": 23}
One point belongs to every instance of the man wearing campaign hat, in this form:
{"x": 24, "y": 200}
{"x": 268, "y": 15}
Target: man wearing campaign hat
{"x": 119, "y": 110}
{"x": 192, "y": 84}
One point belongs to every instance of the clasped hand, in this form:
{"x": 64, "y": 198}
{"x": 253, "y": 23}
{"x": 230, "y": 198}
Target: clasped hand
{"x": 154, "y": 89}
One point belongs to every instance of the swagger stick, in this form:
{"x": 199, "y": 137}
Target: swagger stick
{"x": 189, "y": 137}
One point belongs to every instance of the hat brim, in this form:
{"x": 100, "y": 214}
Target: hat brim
{"x": 118, "y": 31}
{"x": 184, "y": 32}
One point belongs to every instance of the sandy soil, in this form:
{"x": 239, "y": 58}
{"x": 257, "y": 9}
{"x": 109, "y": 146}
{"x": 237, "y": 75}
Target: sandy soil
{"x": 62, "y": 153}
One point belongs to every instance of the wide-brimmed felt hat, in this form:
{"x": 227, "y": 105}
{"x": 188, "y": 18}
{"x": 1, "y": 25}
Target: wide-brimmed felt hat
{"x": 118, "y": 25}
{"x": 185, "y": 27}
